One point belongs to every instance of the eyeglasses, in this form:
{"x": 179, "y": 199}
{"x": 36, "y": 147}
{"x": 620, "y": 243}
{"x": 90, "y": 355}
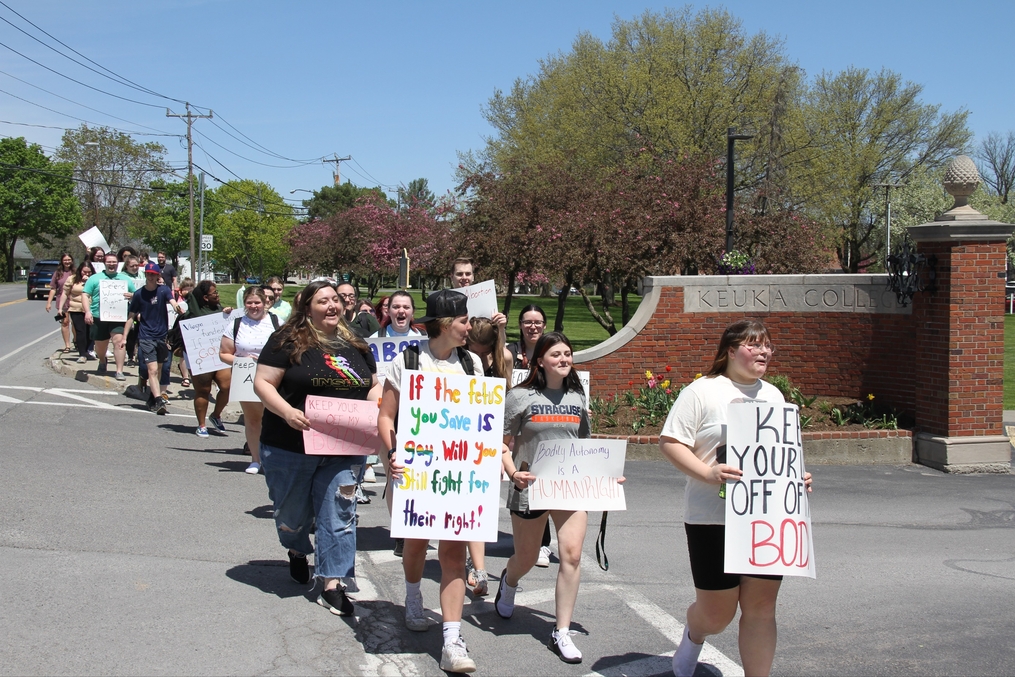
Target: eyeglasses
{"x": 346, "y": 296}
{"x": 758, "y": 348}
{"x": 533, "y": 323}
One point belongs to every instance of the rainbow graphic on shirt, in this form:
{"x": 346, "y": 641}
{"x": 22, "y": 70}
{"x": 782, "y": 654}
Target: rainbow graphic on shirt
{"x": 340, "y": 365}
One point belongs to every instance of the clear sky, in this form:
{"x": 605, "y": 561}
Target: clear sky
{"x": 400, "y": 86}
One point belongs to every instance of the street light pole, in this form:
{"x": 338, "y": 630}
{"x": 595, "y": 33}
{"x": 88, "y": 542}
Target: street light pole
{"x": 731, "y": 136}
{"x": 888, "y": 217}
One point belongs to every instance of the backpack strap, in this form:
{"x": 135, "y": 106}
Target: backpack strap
{"x": 412, "y": 358}
{"x": 274, "y": 320}
{"x": 236, "y": 327}
{"x": 466, "y": 359}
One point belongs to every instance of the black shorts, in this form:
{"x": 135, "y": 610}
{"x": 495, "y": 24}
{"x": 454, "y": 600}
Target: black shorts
{"x": 152, "y": 351}
{"x": 529, "y": 514}
{"x": 102, "y": 331}
{"x": 706, "y": 545}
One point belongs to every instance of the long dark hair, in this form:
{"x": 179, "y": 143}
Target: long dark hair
{"x": 736, "y": 335}
{"x": 537, "y": 377}
{"x": 300, "y": 333}
{"x": 67, "y": 255}
{"x": 204, "y": 288}
{"x": 82, "y": 266}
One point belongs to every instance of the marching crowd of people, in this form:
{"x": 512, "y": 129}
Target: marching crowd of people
{"x": 316, "y": 346}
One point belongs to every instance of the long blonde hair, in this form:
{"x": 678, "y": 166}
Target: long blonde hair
{"x": 300, "y": 333}
{"x": 486, "y": 333}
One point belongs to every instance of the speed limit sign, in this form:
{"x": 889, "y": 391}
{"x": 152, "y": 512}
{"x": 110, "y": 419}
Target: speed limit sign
{"x": 207, "y": 243}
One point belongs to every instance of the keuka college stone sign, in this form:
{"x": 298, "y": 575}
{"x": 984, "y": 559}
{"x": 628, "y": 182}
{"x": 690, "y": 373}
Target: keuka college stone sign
{"x": 791, "y": 293}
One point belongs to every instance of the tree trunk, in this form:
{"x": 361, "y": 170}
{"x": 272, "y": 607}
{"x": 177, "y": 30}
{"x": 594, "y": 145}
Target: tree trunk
{"x": 607, "y": 322}
{"x": 558, "y": 323}
{"x": 510, "y": 290}
{"x": 9, "y": 253}
{"x": 625, "y": 307}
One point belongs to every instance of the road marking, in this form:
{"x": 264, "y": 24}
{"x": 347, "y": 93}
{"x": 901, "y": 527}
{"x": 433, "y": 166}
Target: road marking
{"x": 10, "y": 303}
{"x": 29, "y": 345}
{"x": 81, "y": 402}
{"x": 4, "y": 398}
{"x": 60, "y": 392}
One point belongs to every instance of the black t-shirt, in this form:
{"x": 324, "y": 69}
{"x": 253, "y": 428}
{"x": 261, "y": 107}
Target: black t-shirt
{"x": 343, "y": 372}
{"x": 168, "y": 273}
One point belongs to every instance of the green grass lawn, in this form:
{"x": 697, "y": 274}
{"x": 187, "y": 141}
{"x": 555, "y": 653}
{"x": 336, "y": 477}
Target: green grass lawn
{"x": 579, "y": 326}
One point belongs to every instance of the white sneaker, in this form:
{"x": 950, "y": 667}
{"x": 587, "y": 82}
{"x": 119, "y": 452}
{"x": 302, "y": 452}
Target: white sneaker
{"x": 561, "y": 644}
{"x": 455, "y": 657}
{"x": 415, "y": 614}
{"x": 369, "y": 475}
{"x": 253, "y": 469}
{"x": 544, "y": 557}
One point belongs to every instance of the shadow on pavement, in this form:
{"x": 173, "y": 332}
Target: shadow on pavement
{"x": 264, "y": 512}
{"x": 269, "y": 576}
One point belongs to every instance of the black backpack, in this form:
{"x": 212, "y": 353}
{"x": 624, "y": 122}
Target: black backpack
{"x": 412, "y": 359}
{"x": 238, "y": 320}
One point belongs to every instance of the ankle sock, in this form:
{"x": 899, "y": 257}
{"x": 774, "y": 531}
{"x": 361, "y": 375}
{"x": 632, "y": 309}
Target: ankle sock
{"x": 685, "y": 660}
{"x": 452, "y": 630}
{"x": 412, "y": 588}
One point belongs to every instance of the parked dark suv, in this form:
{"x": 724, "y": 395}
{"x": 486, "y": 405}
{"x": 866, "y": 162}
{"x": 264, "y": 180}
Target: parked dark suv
{"x": 39, "y": 278}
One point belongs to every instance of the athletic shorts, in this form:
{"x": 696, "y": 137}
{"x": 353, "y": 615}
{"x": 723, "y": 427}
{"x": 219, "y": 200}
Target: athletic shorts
{"x": 529, "y": 514}
{"x": 152, "y": 351}
{"x": 706, "y": 545}
{"x": 102, "y": 331}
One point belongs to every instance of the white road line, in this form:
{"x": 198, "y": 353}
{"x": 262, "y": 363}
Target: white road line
{"x": 60, "y": 392}
{"x": 4, "y": 398}
{"x": 29, "y": 345}
{"x": 34, "y": 390}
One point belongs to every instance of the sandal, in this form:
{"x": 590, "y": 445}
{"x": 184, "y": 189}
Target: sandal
{"x": 185, "y": 383}
{"x": 481, "y": 587}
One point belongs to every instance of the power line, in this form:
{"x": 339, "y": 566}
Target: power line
{"x": 256, "y": 162}
{"x": 242, "y": 192}
{"x": 262, "y": 149}
{"x": 238, "y": 177}
{"x": 67, "y": 115}
{"x": 68, "y": 129}
{"x": 4, "y": 165}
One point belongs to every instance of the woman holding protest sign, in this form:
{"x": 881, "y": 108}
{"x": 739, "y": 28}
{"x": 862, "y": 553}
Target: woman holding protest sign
{"x": 245, "y": 337}
{"x": 314, "y": 353}
{"x": 447, "y": 326}
{"x": 204, "y": 300}
{"x": 694, "y": 440}
{"x": 548, "y": 405}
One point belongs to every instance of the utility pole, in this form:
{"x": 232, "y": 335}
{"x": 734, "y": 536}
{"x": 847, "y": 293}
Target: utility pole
{"x": 731, "y": 136}
{"x": 888, "y": 217}
{"x": 190, "y": 117}
{"x": 337, "y": 161}
{"x": 201, "y": 255}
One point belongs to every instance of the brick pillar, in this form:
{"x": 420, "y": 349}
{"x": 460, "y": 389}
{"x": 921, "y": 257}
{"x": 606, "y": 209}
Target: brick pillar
{"x": 960, "y": 342}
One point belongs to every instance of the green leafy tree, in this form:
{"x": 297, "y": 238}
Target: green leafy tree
{"x": 163, "y": 218}
{"x": 37, "y": 200}
{"x": 331, "y": 200}
{"x": 416, "y": 194}
{"x": 115, "y": 171}
{"x": 251, "y": 231}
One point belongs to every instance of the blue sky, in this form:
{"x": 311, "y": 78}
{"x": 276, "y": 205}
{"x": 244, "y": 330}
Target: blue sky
{"x": 400, "y": 86}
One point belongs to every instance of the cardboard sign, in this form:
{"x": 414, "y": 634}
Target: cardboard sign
{"x": 202, "y": 336}
{"x": 93, "y": 238}
{"x": 482, "y": 298}
{"x": 768, "y": 516}
{"x": 385, "y": 351}
{"x": 450, "y": 435}
{"x": 112, "y": 302}
{"x": 519, "y": 375}
{"x": 242, "y": 383}
{"x": 340, "y": 427}
{"x": 578, "y": 475}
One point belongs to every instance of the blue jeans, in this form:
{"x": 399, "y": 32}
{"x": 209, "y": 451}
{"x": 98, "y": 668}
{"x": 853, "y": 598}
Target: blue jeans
{"x": 302, "y": 487}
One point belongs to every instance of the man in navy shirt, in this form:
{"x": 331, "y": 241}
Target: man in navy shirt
{"x": 148, "y": 305}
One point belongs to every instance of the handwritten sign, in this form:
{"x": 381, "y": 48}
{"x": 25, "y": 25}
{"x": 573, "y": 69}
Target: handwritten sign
{"x": 450, "y": 430}
{"x": 112, "y": 302}
{"x": 241, "y": 387}
{"x": 202, "y": 336}
{"x": 578, "y": 475}
{"x": 171, "y": 314}
{"x": 768, "y": 516}
{"x": 385, "y": 351}
{"x": 519, "y": 375}
{"x": 93, "y": 238}
{"x": 340, "y": 427}
{"x": 482, "y": 298}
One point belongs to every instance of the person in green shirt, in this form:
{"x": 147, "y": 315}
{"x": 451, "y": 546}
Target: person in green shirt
{"x": 103, "y": 331}
{"x": 280, "y": 308}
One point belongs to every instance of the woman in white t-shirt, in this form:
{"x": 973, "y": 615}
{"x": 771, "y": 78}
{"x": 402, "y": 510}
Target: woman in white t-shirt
{"x": 398, "y": 322}
{"x": 694, "y": 440}
{"x": 246, "y": 340}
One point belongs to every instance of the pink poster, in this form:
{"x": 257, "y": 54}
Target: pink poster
{"x": 340, "y": 427}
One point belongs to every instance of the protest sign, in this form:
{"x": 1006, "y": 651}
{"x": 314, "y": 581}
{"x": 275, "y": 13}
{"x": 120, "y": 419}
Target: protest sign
{"x": 519, "y": 375}
{"x": 242, "y": 382}
{"x": 385, "y": 350}
{"x": 202, "y": 336}
{"x": 450, "y": 435}
{"x": 340, "y": 427}
{"x": 578, "y": 475}
{"x": 93, "y": 238}
{"x": 768, "y": 516}
{"x": 482, "y": 298}
{"x": 112, "y": 302}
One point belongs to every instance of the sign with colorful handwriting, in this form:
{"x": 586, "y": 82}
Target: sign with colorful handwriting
{"x": 202, "y": 336}
{"x": 340, "y": 427}
{"x": 450, "y": 435}
{"x": 768, "y": 516}
{"x": 93, "y": 238}
{"x": 385, "y": 350}
{"x": 482, "y": 298}
{"x": 519, "y": 375}
{"x": 112, "y": 302}
{"x": 241, "y": 387}
{"x": 578, "y": 475}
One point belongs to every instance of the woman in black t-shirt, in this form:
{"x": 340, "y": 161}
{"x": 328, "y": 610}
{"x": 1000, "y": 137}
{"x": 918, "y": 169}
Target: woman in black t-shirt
{"x": 314, "y": 353}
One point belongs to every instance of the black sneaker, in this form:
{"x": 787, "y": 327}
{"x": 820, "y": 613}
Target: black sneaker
{"x": 399, "y": 544}
{"x": 299, "y": 568}
{"x": 160, "y": 406}
{"x": 336, "y": 602}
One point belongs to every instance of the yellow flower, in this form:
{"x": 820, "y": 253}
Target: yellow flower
{"x": 665, "y": 384}
{"x": 648, "y": 374}
{"x": 697, "y": 376}
{"x": 870, "y": 396}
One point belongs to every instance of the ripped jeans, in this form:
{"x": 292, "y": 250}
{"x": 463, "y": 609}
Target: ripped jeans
{"x": 301, "y": 487}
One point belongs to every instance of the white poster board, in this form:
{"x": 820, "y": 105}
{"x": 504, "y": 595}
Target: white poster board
{"x": 202, "y": 336}
{"x": 578, "y": 475}
{"x": 171, "y": 314}
{"x": 93, "y": 238}
{"x": 242, "y": 383}
{"x": 482, "y": 298}
{"x": 112, "y": 302}
{"x": 385, "y": 351}
{"x": 519, "y": 375}
{"x": 450, "y": 435}
{"x": 768, "y": 516}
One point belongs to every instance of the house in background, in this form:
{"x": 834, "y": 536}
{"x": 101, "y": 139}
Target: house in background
{"x": 23, "y": 260}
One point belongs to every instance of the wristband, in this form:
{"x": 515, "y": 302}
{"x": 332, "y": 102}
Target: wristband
{"x": 391, "y": 452}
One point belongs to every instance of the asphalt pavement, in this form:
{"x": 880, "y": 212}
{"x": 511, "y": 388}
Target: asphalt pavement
{"x": 131, "y": 546}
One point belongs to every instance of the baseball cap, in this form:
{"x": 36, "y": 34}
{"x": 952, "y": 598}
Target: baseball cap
{"x": 445, "y": 303}
{"x": 152, "y": 268}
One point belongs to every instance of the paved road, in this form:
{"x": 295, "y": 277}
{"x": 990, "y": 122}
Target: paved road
{"x": 130, "y": 546}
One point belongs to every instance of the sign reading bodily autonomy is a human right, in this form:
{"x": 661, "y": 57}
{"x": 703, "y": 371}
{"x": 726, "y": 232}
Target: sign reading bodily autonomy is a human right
{"x": 578, "y": 475}
{"x": 768, "y": 516}
{"x": 450, "y": 435}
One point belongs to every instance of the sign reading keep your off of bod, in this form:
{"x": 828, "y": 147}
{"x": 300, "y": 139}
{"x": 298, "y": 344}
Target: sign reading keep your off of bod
{"x": 768, "y": 516}
{"x": 450, "y": 434}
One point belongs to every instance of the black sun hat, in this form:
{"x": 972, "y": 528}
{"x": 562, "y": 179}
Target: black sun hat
{"x": 445, "y": 303}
